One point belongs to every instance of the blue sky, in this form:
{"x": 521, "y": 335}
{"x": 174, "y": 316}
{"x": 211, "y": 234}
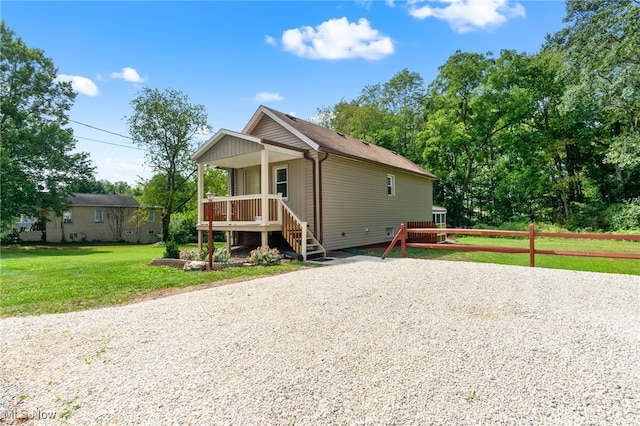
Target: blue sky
{"x": 294, "y": 56}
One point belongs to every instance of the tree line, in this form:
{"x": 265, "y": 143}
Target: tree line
{"x": 552, "y": 136}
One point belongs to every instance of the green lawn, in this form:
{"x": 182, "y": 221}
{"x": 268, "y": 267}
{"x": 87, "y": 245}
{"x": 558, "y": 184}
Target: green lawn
{"x": 593, "y": 264}
{"x": 63, "y": 278}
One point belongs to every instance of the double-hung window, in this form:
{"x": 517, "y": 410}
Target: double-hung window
{"x": 99, "y": 216}
{"x": 67, "y": 217}
{"x": 391, "y": 185}
{"x": 281, "y": 181}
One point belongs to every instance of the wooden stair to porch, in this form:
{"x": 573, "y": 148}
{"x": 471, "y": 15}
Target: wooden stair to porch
{"x": 299, "y": 237}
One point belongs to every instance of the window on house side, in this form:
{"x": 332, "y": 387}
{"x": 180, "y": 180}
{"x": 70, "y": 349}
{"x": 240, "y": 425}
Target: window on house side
{"x": 389, "y": 233}
{"x": 281, "y": 181}
{"x": 67, "y": 217}
{"x": 152, "y": 216}
{"x": 99, "y": 216}
{"x": 73, "y": 236}
{"x": 391, "y": 186}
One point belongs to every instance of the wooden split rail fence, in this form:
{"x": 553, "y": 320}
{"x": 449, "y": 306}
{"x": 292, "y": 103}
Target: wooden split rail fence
{"x": 531, "y": 234}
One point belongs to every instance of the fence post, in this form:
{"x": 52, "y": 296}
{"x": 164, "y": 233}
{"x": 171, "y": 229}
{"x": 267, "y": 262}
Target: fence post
{"x": 403, "y": 241}
{"x": 532, "y": 246}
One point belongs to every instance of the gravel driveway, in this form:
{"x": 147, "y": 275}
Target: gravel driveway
{"x": 399, "y": 341}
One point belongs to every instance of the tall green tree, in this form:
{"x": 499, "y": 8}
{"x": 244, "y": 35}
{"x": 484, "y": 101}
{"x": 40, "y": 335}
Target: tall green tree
{"x": 475, "y": 105}
{"x": 103, "y": 186}
{"x": 389, "y": 114}
{"x": 165, "y": 124}
{"x": 38, "y": 166}
{"x": 601, "y": 47}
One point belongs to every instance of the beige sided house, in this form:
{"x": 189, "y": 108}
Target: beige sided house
{"x": 316, "y": 188}
{"x": 105, "y": 218}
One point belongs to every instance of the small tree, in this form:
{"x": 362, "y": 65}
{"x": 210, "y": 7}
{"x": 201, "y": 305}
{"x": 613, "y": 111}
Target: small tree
{"x": 116, "y": 219}
{"x": 165, "y": 124}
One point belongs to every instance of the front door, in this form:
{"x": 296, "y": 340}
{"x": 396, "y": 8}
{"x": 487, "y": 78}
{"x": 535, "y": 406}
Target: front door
{"x": 252, "y": 180}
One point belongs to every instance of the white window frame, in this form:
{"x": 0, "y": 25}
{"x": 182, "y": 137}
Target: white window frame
{"x": 391, "y": 185}
{"x": 152, "y": 216}
{"x": 98, "y": 216}
{"x": 67, "y": 216}
{"x": 73, "y": 236}
{"x": 390, "y": 232}
{"x": 286, "y": 182}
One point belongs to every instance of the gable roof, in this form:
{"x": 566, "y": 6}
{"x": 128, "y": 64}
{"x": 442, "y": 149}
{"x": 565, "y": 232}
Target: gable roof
{"x": 103, "y": 200}
{"x": 330, "y": 141}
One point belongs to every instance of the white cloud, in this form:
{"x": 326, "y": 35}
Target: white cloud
{"x": 264, "y": 97}
{"x": 270, "y": 40}
{"x": 80, "y": 84}
{"x": 119, "y": 169}
{"x": 338, "y": 39}
{"x": 469, "y": 15}
{"x": 129, "y": 74}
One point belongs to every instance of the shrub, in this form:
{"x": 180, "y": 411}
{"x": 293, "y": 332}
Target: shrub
{"x": 265, "y": 256}
{"x": 221, "y": 256}
{"x": 171, "y": 250}
{"x": 626, "y": 217}
{"x": 13, "y": 237}
{"x": 193, "y": 254}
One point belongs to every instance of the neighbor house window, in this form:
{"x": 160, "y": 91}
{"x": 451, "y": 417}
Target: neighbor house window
{"x": 73, "y": 236}
{"x": 67, "y": 217}
{"x": 152, "y": 216}
{"x": 151, "y": 232}
{"x": 128, "y": 232}
{"x": 282, "y": 186}
{"x": 99, "y": 216}
{"x": 391, "y": 185}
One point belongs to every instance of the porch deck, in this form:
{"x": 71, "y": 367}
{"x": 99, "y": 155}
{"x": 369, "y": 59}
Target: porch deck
{"x": 245, "y": 213}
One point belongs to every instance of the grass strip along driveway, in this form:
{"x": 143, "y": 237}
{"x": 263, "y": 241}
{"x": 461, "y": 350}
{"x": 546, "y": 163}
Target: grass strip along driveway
{"x": 590, "y": 264}
{"x": 63, "y": 278}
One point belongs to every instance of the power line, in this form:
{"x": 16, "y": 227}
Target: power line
{"x": 109, "y": 143}
{"x": 102, "y": 130}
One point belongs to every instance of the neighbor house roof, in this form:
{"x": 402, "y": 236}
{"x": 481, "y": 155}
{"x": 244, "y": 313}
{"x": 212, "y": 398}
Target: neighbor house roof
{"x": 103, "y": 200}
{"x": 333, "y": 142}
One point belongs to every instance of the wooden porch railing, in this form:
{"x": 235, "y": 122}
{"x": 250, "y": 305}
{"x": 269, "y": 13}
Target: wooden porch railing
{"x": 294, "y": 230}
{"x": 241, "y": 209}
{"x": 531, "y": 234}
{"x": 247, "y": 210}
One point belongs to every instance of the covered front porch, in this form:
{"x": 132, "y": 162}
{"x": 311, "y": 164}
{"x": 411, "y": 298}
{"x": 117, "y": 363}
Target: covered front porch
{"x": 256, "y": 202}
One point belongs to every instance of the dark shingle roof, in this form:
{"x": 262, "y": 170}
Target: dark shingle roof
{"x": 103, "y": 200}
{"x": 334, "y": 142}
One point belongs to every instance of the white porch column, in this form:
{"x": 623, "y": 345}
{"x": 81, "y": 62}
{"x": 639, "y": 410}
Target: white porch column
{"x": 200, "y": 197}
{"x": 264, "y": 190}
